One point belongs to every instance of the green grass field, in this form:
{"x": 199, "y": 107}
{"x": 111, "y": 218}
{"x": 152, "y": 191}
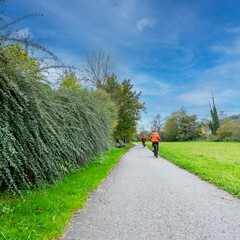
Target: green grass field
{"x": 217, "y": 163}
{"x": 43, "y": 214}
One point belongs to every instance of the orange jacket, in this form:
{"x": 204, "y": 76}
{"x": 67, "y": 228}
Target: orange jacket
{"x": 155, "y": 137}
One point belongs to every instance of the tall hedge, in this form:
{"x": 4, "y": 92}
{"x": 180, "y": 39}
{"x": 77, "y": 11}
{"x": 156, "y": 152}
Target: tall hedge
{"x": 46, "y": 133}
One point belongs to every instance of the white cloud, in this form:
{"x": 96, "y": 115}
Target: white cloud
{"x": 227, "y": 73}
{"x": 223, "y": 79}
{"x": 149, "y": 86}
{"x": 144, "y": 22}
{"x": 234, "y": 30}
{"x": 232, "y": 49}
{"x": 203, "y": 97}
{"x": 124, "y": 8}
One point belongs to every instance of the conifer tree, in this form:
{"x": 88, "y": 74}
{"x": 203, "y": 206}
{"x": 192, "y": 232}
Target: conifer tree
{"x": 214, "y": 124}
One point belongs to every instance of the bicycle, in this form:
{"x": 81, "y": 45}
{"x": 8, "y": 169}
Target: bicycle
{"x": 144, "y": 144}
{"x": 155, "y": 150}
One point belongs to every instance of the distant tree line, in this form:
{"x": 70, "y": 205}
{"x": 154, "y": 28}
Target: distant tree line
{"x": 180, "y": 126}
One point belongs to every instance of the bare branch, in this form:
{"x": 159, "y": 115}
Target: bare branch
{"x": 98, "y": 65}
{"x": 19, "y": 19}
{"x": 157, "y": 122}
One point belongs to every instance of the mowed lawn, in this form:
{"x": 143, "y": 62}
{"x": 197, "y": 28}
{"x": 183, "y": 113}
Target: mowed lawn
{"x": 218, "y": 163}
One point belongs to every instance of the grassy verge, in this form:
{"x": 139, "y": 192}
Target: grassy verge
{"x": 217, "y": 163}
{"x": 43, "y": 214}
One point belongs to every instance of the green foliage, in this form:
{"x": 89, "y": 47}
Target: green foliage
{"x": 217, "y": 163}
{"x": 45, "y": 133}
{"x": 138, "y": 136}
{"x": 229, "y": 131}
{"x": 113, "y": 87}
{"x": 129, "y": 110}
{"x": 27, "y": 63}
{"x": 214, "y": 124}
{"x": 107, "y": 104}
{"x": 182, "y": 127}
{"x": 45, "y": 212}
{"x": 236, "y": 132}
{"x": 69, "y": 81}
{"x": 171, "y": 128}
{"x": 225, "y": 131}
{"x": 188, "y": 127}
{"x": 128, "y": 104}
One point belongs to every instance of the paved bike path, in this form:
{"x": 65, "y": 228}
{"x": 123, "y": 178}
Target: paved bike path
{"x": 150, "y": 198}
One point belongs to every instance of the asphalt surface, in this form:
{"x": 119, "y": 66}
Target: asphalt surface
{"x": 149, "y": 198}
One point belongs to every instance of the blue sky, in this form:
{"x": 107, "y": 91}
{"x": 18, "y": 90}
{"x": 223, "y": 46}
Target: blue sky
{"x": 175, "y": 51}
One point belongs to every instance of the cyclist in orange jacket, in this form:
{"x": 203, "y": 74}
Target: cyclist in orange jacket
{"x": 155, "y": 138}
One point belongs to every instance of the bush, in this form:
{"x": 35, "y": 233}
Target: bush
{"x": 225, "y": 131}
{"x": 230, "y": 131}
{"x": 171, "y": 129}
{"x": 236, "y": 132}
{"x": 46, "y": 133}
{"x": 212, "y": 138}
{"x": 227, "y": 139}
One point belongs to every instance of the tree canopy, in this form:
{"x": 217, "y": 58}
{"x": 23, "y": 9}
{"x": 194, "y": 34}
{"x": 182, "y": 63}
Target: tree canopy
{"x": 128, "y": 104}
{"x": 181, "y": 126}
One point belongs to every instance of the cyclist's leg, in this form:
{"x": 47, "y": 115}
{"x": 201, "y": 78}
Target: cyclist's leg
{"x": 155, "y": 149}
{"x": 154, "y": 145}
